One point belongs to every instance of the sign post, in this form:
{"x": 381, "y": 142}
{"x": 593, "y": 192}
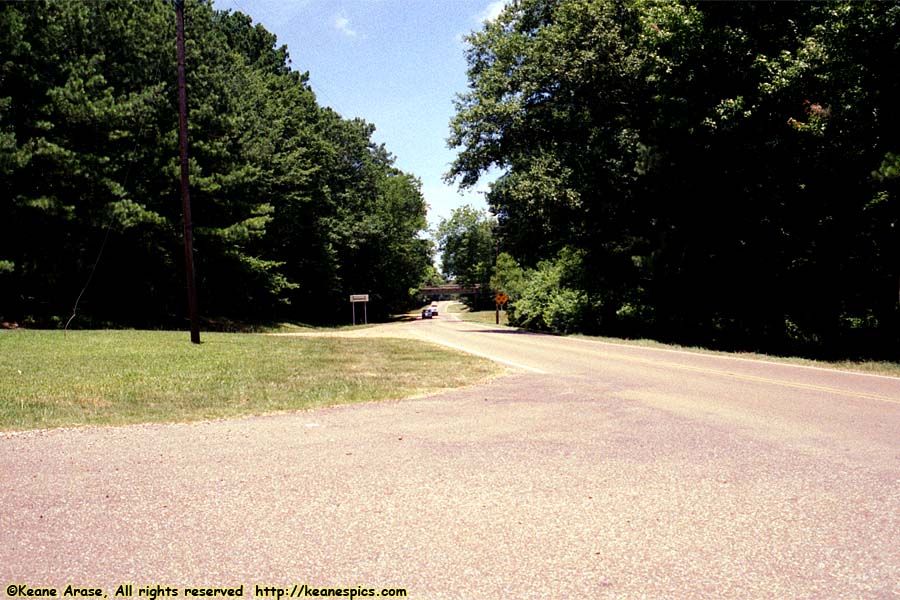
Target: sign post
{"x": 364, "y": 298}
{"x": 499, "y": 300}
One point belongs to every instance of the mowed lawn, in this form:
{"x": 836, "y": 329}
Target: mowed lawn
{"x": 48, "y": 379}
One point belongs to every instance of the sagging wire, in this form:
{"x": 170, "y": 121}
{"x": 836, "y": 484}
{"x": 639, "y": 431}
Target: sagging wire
{"x": 137, "y": 144}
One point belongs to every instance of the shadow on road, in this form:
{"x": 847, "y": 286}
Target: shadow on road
{"x": 504, "y": 331}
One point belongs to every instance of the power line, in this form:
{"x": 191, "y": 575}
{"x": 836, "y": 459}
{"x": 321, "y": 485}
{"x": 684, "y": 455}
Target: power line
{"x": 125, "y": 178}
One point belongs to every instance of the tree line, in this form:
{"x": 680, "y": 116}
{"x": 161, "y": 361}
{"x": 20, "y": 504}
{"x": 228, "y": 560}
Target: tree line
{"x": 294, "y": 207}
{"x": 723, "y": 174}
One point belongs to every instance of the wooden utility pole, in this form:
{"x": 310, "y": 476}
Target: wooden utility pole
{"x": 185, "y": 187}
{"x": 496, "y": 291}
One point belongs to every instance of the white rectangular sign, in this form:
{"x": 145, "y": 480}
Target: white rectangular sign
{"x": 359, "y": 298}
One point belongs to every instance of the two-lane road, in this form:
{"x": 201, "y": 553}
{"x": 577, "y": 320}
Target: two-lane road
{"x": 592, "y": 470}
{"x": 777, "y": 397}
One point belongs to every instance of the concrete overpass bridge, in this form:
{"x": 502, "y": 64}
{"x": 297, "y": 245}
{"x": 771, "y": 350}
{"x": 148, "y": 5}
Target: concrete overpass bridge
{"x": 449, "y": 291}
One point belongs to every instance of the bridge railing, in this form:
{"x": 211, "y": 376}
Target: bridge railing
{"x": 449, "y": 290}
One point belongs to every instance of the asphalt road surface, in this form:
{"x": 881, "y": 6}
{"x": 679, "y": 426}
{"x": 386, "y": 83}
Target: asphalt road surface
{"x": 590, "y": 470}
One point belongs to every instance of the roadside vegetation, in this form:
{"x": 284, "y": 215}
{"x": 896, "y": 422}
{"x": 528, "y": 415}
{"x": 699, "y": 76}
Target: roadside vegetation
{"x": 48, "y": 379}
{"x": 295, "y": 207}
{"x": 719, "y": 175}
{"x": 478, "y": 316}
{"x": 710, "y": 174}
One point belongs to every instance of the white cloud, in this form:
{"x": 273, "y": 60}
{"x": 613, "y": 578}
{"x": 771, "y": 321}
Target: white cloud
{"x": 342, "y": 24}
{"x": 488, "y": 14}
{"x": 491, "y": 11}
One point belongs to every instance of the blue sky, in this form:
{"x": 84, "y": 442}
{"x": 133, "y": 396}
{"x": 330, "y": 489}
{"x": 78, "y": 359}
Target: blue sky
{"x": 398, "y": 64}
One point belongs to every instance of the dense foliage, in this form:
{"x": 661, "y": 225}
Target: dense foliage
{"x": 465, "y": 243}
{"x": 294, "y": 207}
{"x": 715, "y": 173}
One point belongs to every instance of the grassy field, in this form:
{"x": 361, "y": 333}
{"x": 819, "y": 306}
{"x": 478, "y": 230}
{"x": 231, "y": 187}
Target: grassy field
{"x": 481, "y": 316}
{"x": 118, "y": 377}
{"x": 874, "y": 367}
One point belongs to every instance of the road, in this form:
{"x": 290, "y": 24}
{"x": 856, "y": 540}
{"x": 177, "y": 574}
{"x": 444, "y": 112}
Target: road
{"x": 770, "y": 397}
{"x": 590, "y": 470}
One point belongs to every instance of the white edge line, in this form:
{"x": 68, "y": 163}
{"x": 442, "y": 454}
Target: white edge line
{"x": 738, "y": 358}
{"x": 711, "y": 354}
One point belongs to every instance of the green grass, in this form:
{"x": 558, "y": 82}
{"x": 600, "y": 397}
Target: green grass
{"x": 479, "y": 316}
{"x": 120, "y": 377}
{"x": 304, "y": 328}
